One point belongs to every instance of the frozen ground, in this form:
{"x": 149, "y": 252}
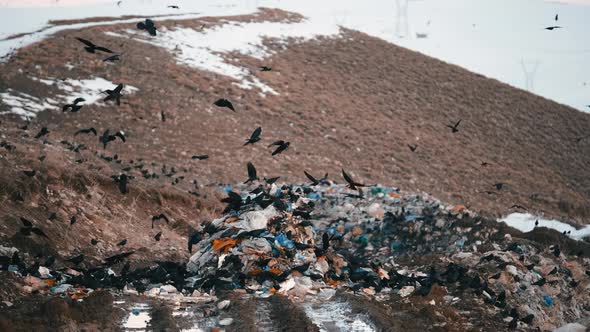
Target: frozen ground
{"x": 509, "y": 45}
{"x": 28, "y": 106}
{"x": 525, "y": 222}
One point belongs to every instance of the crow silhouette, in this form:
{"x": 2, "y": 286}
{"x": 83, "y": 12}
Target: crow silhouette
{"x": 42, "y": 132}
{"x": 351, "y": 183}
{"x": 282, "y": 146}
{"x": 553, "y": 27}
{"x": 251, "y": 173}
{"x": 122, "y": 181}
{"x": 499, "y": 185}
{"x": 159, "y": 217}
{"x": 122, "y": 243}
{"x": 173, "y": 7}
{"x": 27, "y": 223}
{"x": 255, "y": 137}
{"x": 92, "y": 48}
{"x": 112, "y": 58}
{"x": 314, "y": 181}
{"x": 90, "y": 130}
{"x": 200, "y": 157}
{"x": 73, "y": 107}
{"x": 30, "y": 173}
{"x": 271, "y": 180}
{"x": 222, "y": 102}
{"x": 147, "y": 25}
{"x": 114, "y": 94}
{"x": 265, "y": 68}
{"x": 413, "y": 147}
{"x": 454, "y": 128}
{"x": 192, "y": 240}
{"x": 556, "y": 17}
{"x": 158, "y": 236}
{"x": 106, "y": 137}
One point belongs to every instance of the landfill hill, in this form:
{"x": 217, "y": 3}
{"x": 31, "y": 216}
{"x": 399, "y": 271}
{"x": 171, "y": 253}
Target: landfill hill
{"x": 352, "y": 102}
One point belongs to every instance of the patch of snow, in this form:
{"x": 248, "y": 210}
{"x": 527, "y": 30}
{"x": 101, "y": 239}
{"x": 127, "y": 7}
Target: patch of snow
{"x": 206, "y": 49}
{"x": 525, "y": 222}
{"x": 28, "y": 106}
{"x": 138, "y": 318}
{"x": 24, "y": 105}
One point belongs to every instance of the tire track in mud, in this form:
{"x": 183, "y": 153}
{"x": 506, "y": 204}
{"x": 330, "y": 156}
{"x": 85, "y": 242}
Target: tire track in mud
{"x": 264, "y": 321}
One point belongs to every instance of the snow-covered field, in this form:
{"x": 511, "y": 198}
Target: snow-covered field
{"x": 502, "y": 39}
{"x": 28, "y": 106}
{"x": 525, "y": 222}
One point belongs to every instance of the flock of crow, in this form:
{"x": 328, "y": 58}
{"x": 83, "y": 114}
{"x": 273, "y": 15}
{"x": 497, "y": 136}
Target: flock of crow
{"x": 122, "y": 180}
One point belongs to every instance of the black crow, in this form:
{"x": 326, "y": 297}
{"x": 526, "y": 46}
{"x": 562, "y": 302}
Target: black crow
{"x": 251, "y": 173}
{"x": 413, "y": 147}
{"x": 159, "y": 217}
{"x": 499, "y": 185}
{"x": 553, "y": 27}
{"x": 39, "y": 232}
{"x": 192, "y": 240}
{"x": 73, "y": 220}
{"x": 201, "y": 157}
{"x": 122, "y": 243}
{"x": 255, "y": 137}
{"x": 114, "y": 94}
{"x": 282, "y": 146}
{"x": 112, "y": 58}
{"x": 314, "y": 181}
{"x": 92, "y": 48}
{"x": 107, "y": 137}
{"x": 351, "y": 183}
{"x": 265, "y": 68}
{"x": 76, "y": 260}
{"x": 42, "y": 132}
{"x": 94, "y": 242}
{"x": 122, "y": 181}
{"x": 158, "y": 236}
{"x": 454, "y": 128}
{"x": 86, "y": 131}
{"x": 173, "y": 7}
{"x": 30, "y": 173}
{"x": 74, "y": 107}
{"x": 271, "y": 180}
{"x": 556, "y": 17}
{"x": 27, "y": 223}
{"x": 222, "y": 102}
{"x": 147, "y": 25}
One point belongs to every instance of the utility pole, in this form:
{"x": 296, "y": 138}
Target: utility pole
{"x": 529, "y": 69}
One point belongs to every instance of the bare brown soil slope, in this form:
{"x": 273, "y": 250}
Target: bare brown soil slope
{"x": 352, "y": 102}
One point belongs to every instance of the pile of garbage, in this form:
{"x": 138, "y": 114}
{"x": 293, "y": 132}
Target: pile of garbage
{"x": 304, "y": 240}
{"x": 316, "y": 240}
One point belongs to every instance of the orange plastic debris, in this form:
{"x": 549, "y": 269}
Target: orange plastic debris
{"x": 224, "y": 244}
{"x": 458, "y": 209}
{"x": 49, "y": 282}
{"x": 275, "y": 271}
{"x": 394, "y": 195}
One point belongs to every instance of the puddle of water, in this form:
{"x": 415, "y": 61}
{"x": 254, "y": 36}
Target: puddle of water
{"x": 337, "y": 316}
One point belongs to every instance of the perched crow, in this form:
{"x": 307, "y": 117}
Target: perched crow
{"x": 90, "y": 130}
{"x": 122, "y": 180}
{"x": 30, "y": 173}
{"x": 76, "y": 260}
{"x": 251, "y": 173}
{"x": 147, "y": 25}
{"x": 255, "y": 137}
{"x": 454, "y": 128}
{"x": 499, "y": 185}
{"x": 201, "y": 157}
{"x": 92, "y": 48}
{"x": 265, "y": 68}
{"x": 114, "y": 94}
{"x": 73, "y": 220}
{"x": 413, "y": 147}
{"x": 282, "y": 146}
{"x": 159, "y": 217}
{"x": 192, "y": 240}
{"x": 224, "y": 103}
{"x": 122, "y": 243}
{"x": 42, "y": 132}
{"x": 94, "y": 242}
{"x": 158, "y": 236}
{"x": 351, "y": 183}
{"x": 27, "y": 223}
{"x": 556, "y": 17}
